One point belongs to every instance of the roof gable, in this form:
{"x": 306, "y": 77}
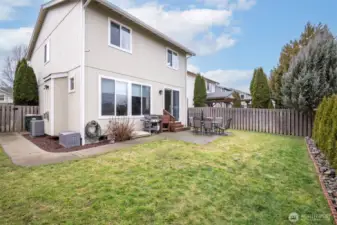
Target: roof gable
{"x": 54, "y": 3}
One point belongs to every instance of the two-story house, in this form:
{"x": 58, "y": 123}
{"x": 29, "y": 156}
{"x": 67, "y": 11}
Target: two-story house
{"x": 210, "y": 87}
{"x": 95, "y": 61}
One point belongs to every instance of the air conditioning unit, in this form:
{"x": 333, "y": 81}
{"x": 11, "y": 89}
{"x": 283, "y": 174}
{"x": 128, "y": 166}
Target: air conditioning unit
{"x": 69, "y": 139}
{"x": 30, "y": 117}
{"x": 36, "y": 128}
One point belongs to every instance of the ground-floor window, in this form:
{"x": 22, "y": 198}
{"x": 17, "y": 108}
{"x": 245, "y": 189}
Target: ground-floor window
{"x": 141, "y": 99}
{"x": 122, "y": 98}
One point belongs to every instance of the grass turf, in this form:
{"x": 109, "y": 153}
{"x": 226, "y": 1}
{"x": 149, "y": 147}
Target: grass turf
{"x": 247, "y": 178}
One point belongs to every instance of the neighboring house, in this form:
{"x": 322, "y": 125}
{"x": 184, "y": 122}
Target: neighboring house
{"x": 210, "y": 87}
{"x": 246, "y": 98}
{"x": 223, "y": 97}
{"x": 5, "y": 97}
{"x": 94, "y": 61}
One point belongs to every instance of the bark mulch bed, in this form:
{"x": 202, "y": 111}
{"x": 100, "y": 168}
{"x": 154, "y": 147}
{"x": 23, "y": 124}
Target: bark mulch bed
{"x": 326, "y": 175}
{"x": 51, "y": 144}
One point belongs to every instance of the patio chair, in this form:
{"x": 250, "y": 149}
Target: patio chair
{"x": 226, "y": 127}
{"x": 208, "y": 126}
{"x": 218, "y": 121}
{"x": 197, "y": 125}
{"x": 191, "y": 121}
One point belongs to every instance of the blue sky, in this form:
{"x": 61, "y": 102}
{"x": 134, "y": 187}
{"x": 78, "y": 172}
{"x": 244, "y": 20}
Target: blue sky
{"x": 230, "y": 37}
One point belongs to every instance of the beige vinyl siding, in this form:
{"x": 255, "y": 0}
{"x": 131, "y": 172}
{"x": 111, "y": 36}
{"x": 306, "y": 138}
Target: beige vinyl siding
{"x": 146, "y": 64}
{"x": 45, "y": 103}
{"x": 73, "y": 113}
{"x": 62, "y": 30}
{"x": 157, "y": 100}
{"x": 147, "y": 61}
{"x": 60, "y": 105}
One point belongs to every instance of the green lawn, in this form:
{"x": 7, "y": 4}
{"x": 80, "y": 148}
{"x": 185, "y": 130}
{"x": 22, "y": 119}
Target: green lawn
{"x": 247, "y": 178}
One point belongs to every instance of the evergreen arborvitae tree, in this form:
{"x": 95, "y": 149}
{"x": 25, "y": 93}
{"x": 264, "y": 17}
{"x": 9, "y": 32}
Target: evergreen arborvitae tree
{"x": 332, "y": 135}
{"x": 289, "y": 51}
{"x": 25, "y": 90}
{"x": 200, "y": 93}
{"x": 252, "y": 82}
{"x": 326, "y": 125}
{"x": 260, "y": 90}
{"x": 318, "y": 118}
{"x": 312, "y": 73}
{"x": 203, "y": 91}
{"x": 237, "y": 100}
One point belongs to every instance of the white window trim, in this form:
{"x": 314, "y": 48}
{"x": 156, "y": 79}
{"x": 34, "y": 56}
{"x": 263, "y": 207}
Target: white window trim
{"x": 120, "y": 33}
{"x": 129, "y": 85}
{"x": 69, "y": 84}
{"x": 171, "y": 67}
{"x": 3, "y": 97}
{"x": 48, "y": 52}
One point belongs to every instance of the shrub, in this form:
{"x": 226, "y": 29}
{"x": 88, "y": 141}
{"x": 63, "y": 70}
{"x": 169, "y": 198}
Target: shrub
{"x": 332, "y": 135}
{"x": 120, "y": 129}
{"x": 325, "y": 124}
{"x": 25, "y": 90}
{"x": 317, "y": 121}
{"x": 200, "y": 93}
{"x": 325, "y": 128}
{"x": 260, "y": 89}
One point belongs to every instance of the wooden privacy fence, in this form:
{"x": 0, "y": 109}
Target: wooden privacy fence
{"x": 275, "y": 121}
{"x": 12, "y": 117}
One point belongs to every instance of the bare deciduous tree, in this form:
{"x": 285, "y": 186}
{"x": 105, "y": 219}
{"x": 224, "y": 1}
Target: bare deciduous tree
{"x": 8, "y": 71}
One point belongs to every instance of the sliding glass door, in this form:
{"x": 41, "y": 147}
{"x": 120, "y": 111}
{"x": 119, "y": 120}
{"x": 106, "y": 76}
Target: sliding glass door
{"x": 171, "y": 99}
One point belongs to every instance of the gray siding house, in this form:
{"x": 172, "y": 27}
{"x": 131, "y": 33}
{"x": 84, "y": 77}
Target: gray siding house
{"x": 94, "y": 61}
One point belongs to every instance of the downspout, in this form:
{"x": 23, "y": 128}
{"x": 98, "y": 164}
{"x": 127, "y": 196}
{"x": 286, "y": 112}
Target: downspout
{"x": 187, "y": 122}
{"x": 82, "y": 95}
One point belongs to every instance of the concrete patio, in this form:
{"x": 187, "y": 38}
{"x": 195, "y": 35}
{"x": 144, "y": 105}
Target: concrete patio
{"x": 22, "y": 152}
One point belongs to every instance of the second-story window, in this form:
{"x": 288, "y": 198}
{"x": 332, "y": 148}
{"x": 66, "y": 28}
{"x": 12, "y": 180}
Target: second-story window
{"x": 120, "y": 36}
{"x": 172, "y": 59}
{"x": 242, "y": 97}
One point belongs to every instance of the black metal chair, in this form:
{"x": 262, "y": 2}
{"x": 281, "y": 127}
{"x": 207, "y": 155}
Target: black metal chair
{"x": 208, "y": 126}
{"x": 197, "y": 126}
{"x": 226, "y": 127}
{"x": 218, "y": 121}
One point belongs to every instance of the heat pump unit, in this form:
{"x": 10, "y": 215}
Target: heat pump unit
{"x": 36, "y": 128}
{"x": 69, "y": 139}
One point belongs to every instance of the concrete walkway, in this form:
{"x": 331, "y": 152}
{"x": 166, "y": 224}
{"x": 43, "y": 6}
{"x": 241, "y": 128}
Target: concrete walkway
{"x": 24, "y": 153}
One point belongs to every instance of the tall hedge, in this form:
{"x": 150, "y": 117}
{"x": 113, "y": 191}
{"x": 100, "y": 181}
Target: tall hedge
{"x": 260, "y": 90}
{"x": 25, "y": 88}
{"x": 200, "y": 93}
{"x": 325, "y": 128}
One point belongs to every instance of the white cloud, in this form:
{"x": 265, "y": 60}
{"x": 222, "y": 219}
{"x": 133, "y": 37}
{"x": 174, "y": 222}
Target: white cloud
{"x": 192, "y": 68}
{"x": 230, "y": 4}
{"x": 8, "y": 8}
{"x": 192, "y": 26}
{"x": 244, "y": 4}
{"x": 217, "y": 3}
{"x": 12, "y": 37}
{"x": 238, "y": 79}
